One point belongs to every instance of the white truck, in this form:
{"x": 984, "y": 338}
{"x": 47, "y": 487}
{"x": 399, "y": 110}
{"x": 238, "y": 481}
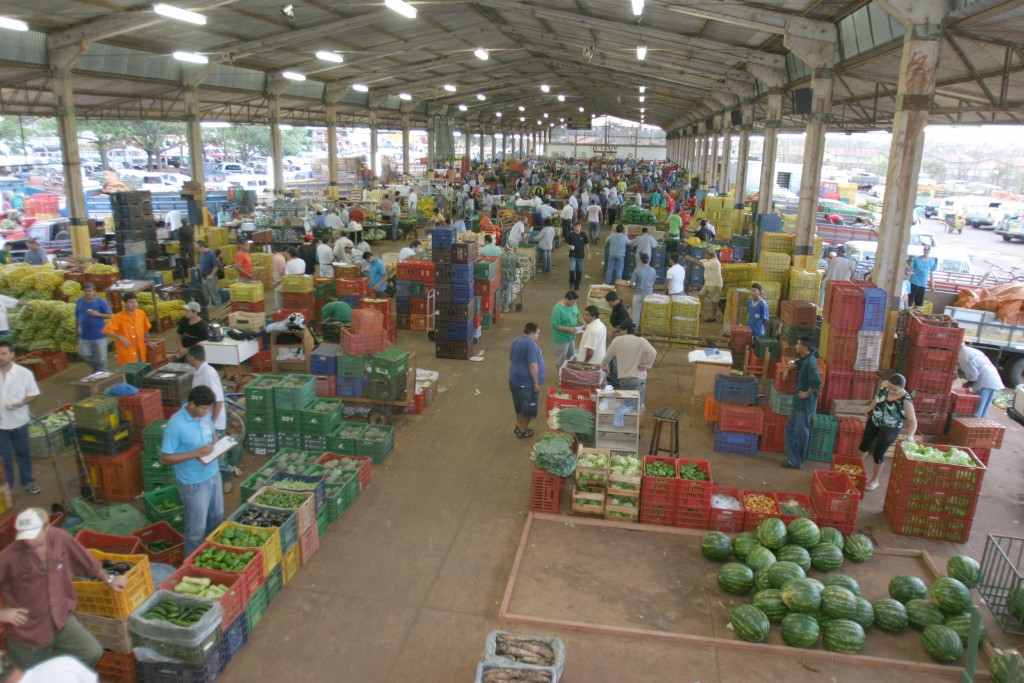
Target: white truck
{"x": 1003, "y": 344}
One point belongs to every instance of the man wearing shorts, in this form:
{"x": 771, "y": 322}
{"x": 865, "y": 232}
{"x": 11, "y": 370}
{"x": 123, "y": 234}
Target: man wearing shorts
{"x": 525, "y": 377}
{"x": 922, "y": 269}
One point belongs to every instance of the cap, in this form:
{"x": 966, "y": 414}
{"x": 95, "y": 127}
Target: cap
{"x": 308, "y": 238}
{"x": 841, "y": 249}
{"x": 89, "y": 285}
{"x": 193, "y": 306}
{"x": 29, "y": 524}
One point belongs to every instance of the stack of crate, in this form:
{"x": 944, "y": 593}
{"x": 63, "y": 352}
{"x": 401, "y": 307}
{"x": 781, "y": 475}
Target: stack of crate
{"x": 929, "y": 351}
{"x": 414, "y": 294}
{"x": 134, "y": 232}
{"x": 298, "y": 296}
{"x": 174, "y": 381}
{"x": 457, "y": 312}
{"x": 590, "y": 485}
{"x": 112, "y": 458}
{"x": 851, "y": 340}
{"x": 260, "y": 414}
{"x": 487, "y": 283}
{"x": 382, "y": 306}
{"x": 388, "y": 374}
{"x": 155, "y": 475}
{"x": 737, "y": 391}
{"x": 685, "y": 316}
{"x": 979, "y": 434}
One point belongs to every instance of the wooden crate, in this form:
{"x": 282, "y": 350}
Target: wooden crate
{"x": 588, "y": 509}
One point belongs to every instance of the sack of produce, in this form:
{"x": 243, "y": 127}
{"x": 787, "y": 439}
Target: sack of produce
{"x": 543, "y": 652}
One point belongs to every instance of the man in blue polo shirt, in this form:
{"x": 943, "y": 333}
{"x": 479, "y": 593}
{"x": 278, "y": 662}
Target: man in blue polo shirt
{"x": 189, "y": 436}
{"x": 91, "y": 316}
{"x": 757, "y": 311}
{"x": 377, "y": 275}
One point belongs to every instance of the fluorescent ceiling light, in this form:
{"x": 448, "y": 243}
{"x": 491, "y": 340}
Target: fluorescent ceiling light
{"x": 480, "y": 96}
{"x": 638, "y": 7}
{"x": 538, "y": 122}
{"x": 552, "y": 124}
{"x": 463, "y": 107}
{"x": 13, "y": 24}
{"x": 404, "y": 96}
{"x": 544, "y": 87}
{"x": 643, "y": 98}
{"x": 190, "y": 57}
{"x": 329, "y": 56}
{"x": 522, "y": 108}
{"x": 359, "y": 87}
{"x": 581, "y": 110}
{"x": 402, "y": 7}
{"x": 522, "y": 118}
{"x": 449, "y": 87}
{"x": 545, "y": 114}
{"x": 482, "y": 54}
{"x": 284, "y": 126}
{"x": 561, "y": 98}
{"x": 561, "y": 120}
{"x": 643, "y": 89}
{"x": 173, "y": 12}
{"x": 214, "y": 124}
{"x": 641, "y": 110}
{"x": 498, "y": 114}
{"x": 293, "y": 75}
{"x": 641, "y": 52}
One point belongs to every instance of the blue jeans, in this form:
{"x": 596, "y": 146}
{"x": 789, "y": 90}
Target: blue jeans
{"x": 613, "y": 271}
{"x": 505, "y": 298}
{"x": 211, "y": 291}
{"x": 575, "y": 272}
{"x": 204, "y": 510}
{"x": 544, "y": 260}
{"x": 94, "y": 352}
{"x": 798, "y": 435}
{"x": 634, "y": 384}
{"x": 986, "y": 396}
{"x": 14, "y": 444}
{"x": 595, "y": 230}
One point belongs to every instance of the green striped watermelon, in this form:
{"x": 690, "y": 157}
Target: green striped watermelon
{"x": 759, "y": 558}
{"x": 744, "y": 542}
{"x": 750, "y": 623}
{"x": 961, "y": 623}
{"x": 843, "y": 635}
{"x": 942, "y": 643}
{"x": 964, "y": 569}
{"x": 781, "y": 572}
{"x": 922, "y": 613}
{"x": 890, "y": 615}
{"x": 796, "y": 554}
{"x": 716, "y": 546}
{"x": 847, "y": 582}
{"x": 736, "y": 578}
{"x": 1007, "y": 667}
{"x": 858, "y": 548}
{"x": 865, "y": 614}
{"x": 818, "y": 585}
{"x": 770, "y": 602}
{"x": 772, "y": 533}
{"x": 833, "y": 536}
{"x": 761, "y": 580}
{"x": 838, "y": 602}
{"x": 800, "y": 595}
{"x": 906, "y": 588}
{"x": 951, "y": 596}
{"x": 826, "y": 557}
{"x": 803, "y": 532}
{"x": 800, "y": 630}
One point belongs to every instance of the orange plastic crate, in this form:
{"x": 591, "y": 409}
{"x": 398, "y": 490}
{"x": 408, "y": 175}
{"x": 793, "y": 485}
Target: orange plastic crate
{"x": 121, "y": 545}
{"x": 116, "y": 668}
{"x": 117, "y": 478}
{"x": 752, "y": 518}
{"x": 251, "y": 576}
{"x": 976, "y": 431}
{"x": 96, "y": 597}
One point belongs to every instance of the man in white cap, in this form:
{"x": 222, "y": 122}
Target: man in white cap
{"x": 39, "y": 600}
{"x": 63, "y": 669}
{"x": 192, "y": 329}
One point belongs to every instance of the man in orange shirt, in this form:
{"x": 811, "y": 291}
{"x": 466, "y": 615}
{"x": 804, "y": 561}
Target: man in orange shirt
{"x": 130, "y": 328}
{"x": 243, "y": 262}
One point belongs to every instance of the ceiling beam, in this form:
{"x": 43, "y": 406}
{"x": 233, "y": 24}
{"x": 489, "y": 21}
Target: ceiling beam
{"x": 278, "y": 41}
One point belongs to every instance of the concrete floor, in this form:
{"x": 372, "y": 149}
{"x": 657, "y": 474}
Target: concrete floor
{"x": 406, "y": 586}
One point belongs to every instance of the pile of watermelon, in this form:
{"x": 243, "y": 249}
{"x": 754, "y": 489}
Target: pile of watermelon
{"x": 774, "y": 561}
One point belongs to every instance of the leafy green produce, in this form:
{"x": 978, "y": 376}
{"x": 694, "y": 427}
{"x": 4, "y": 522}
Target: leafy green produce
{"x": 169, "y": 506}
{"x": 223, "y": 560}
{"x": 693, "y": 473}
{"x": 295, "y": 485}
{"x": 158, "y": 546}
{"x": 280, "y": 500}
{"x": 954, "y": 456}
{"x": 660, "y": 469}
{"x": 554, "y": 455}
{"x": 571, "y": 420}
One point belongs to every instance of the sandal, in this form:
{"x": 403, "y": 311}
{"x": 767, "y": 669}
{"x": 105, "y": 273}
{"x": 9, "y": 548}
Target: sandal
{"x": 871, "y": 486}
{"x": 525, "y": 435}
{"x": 517, "y": 432}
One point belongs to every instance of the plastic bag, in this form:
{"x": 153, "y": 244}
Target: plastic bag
{"x": 119, "y": 519}
{"x": 196, "y": 635}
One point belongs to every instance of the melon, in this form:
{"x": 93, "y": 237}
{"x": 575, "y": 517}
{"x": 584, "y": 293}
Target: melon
{"x": 951, "y": 596}
{"x": 843, "y": 635}
{"x": 772, "y": 533}
{"x": 942, "y": 643}
{"x": 803, "y": 532}
{"x": 736, "y": 578}
{"x": 890, "y": 615}
{"x": 800, "y": 630}
{"x": 964, "y": 569}
{"x": 770, "y": 602}
{"x": 922, "y": 613}
{"x": 847, "y": 582}
{"x": 796, "y": 554}
{"x": 750, "y": 623}
{"x": 716, "y": 546}
{"x": 858, "y": 548}
{"x": 906, "y": 588}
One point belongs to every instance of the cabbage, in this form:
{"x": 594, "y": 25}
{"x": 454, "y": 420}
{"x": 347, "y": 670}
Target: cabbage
{"x": 954, "y": 456}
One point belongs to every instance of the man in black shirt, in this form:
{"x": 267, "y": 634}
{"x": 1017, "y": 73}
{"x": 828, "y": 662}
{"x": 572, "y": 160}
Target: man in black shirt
{"x": 191, "y": 331}
{"x": 307, "y": 252}
{"x": 620, "y": 314}
{"x": 578, "y": 250}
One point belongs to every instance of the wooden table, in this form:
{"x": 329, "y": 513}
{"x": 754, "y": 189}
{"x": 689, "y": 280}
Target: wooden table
{"x": 136, "y": 287}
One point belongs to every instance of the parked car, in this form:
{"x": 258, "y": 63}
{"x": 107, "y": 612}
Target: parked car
{"x": 1011, "y": 227}
{"x": 986, "y": 215}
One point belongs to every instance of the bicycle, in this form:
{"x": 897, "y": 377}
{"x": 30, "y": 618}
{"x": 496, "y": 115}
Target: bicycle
{"x": 235, "y": 417}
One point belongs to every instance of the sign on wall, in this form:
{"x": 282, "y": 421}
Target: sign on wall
{"x": 580, "y": 123}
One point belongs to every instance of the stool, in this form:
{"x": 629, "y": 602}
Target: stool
{"x": 664, "y": 416}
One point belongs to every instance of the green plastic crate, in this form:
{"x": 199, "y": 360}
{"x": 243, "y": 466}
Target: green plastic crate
{"x": 260, "y": 391}
{"x": 823, "y": 437}
{"x": 256, "y": 607}
{"x": 324, "y": 290}
{"x": 296, "y": 396}
{"x": 339, "y": 495}
{"x": 288, "y": 421}
{"x": 133, "y": 372}
{"x": 767, "y": 344}
{"x": 486, "y": 321}
{"x": 389, "y": 364}
{"x": 273, "y": 583}
{"x": 173, "y": 516}
{"x": 485, "y": 270}
{"x": 347, "y": 445}
{"x": 289, "y": 440}
{"x": 260, "y": 423}
{"x": 352, "y": 366}
{"x": 376, "y": 449}
{"x": 417, "y": 289}
{"x": 780, "y": 402}
{"x": 262, "y": 443}
{"x": 387, "y": 389}
{"x": 322, "y": 416}
{"x": 323, "y": 518}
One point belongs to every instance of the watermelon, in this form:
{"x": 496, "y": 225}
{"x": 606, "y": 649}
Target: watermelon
{"x": 858, "y": 547}
{"x": 716, "y": 546}
{"x": 1007, "y": 667}
{"x": 1015, "y": 601}
{"x": 750, "y": 623}
{"x": 961, "y": 623}
{"x": 942, "y": 643}
{"x": 843, "y": 635}
{"x": 826, "y": 557}
{"x": 803, "y": 532}
{"x": 761, "y": 580}
{"x": 847, "y": 582}
{"x": 951, "y": 596}
{"x": 821, "y": 618}
{"x": 964, "y": 569}
{"x": 781, "y": 572}
{"x": 818, "y": 585}
{"x": 800, "y": 595}
{"x": 772, "y": 533}
{"x": 770, "y": 602}
{"x": 796, "y": 554}
{"x": 906, "y": 588}
{"x": 922, "y": 613}
{"x": 736, "y": 578}
{"x": 865, "y": 614}
{"x": 759, "y": 558}
{"x": 800, "y": 630}
{"x": 832, "y": 536}
{"x": 838, "y": 602}
{"x": 744, "y": 542}
{"x": 890, "y": 615}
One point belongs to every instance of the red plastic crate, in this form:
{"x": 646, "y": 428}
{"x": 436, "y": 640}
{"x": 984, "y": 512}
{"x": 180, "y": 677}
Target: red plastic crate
{"x": 418, "y": 269}
{"x": 848, "y": 436}
{"x": 963, "y": 401}
{"x": 367, "y": 321}
{"x": 712, "y": 408}
{"x": 51, "y": 363}
{"x": 169, "y": 411}
{"x": 844, "y": 306}
{"x": 693, "y": 518}
{"x": 251, "y": 577}
{"x": 141, "y": 409}
{"x": 417, "y": 405}
{"x": 381, "y": 305}
{"x": 976, "y": 431}
{"x": 773, "y": 435}
{"x": 280, "y": 314}
{"x": 116, "y": 668}
{"x": 982, "y": 454}
{"x": 931, "y": 423}
{"x": 841, "y": 350}
{"x": 364, "y": 470}
{"x": 116, "y": 545}
{"x": 361, "y": 344}
{"x": 801, "y": 500}
{"x": 926, "y": 358}
{"x": 785, "y": 385}
{"x": 935, "y": 526}
{"x": 932, "y": 381}
{"x": 834, "y": 498}
{"x": 263, "y": 362}
{"x": 545, "y": 492}
{"x": 117, "y": 478}
{"x": 859, "y": 480}
{"x": 862, "y": 385}
{"x": 957, "y": 504}
{"x": 248, "y": 307}
{"x": 741, "y": 419}
{"x": 920, "y": 475}
{"x": 577, "y": 399}
{"x": 304, "y": 300}
{"x": 660, "y": 490}
{"x": 326, "y": 386}
{"x": 927, "y": 402}
{"x": 309, "y": 543}
{"x": 740, "y": 338}
{"x": 729, "y": 521}
{"x": 162, "y": 531}
{"x": 934, "y": 331}
{"x": 839, "y": 385}
{"x": 354, "y": 286}
{"x": 751, "y": 518}
{"x": 660, "y": 515}
{"x": 799, "y": 313}
{"x": 232, "y": 603}
{"x": 691, "y": 493}
{"x": 418, "y": 306}
{"x": 392, "y": 332}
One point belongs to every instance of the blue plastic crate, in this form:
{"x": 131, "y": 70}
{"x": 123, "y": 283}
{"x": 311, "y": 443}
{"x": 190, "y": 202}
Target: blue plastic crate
{"x": 442, "y": 236}
{"x": 875, "y": 309}
{"x": 739, "y": 253}
{"x": 462, "y": 294}
{"x": 734, "y": 442}
{"x": 402, "y": 304}
{"x": 352, "y": 301}
{"x": 232, "y": 640}
{"x": 462, "y": 272}
{"x": 737, "y": 390}
{"x": 352, "y": 386}
{"x": 402, "y": 288}
{"x": 323, "y": 365}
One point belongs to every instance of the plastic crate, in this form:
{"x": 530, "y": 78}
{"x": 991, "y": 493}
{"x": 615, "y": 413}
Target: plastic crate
{"x": 271, "y": 548}
{"x": 117, "y": 668}
{"x": 773, "y": 435}
{"x": 141, "y": 409}
{"x": 1002, "y": 572}
{"x": 936, "y": 527}
{"x": 290, "y": 565}
{"x": 863, "y": 385}
{"x": 876, "y": 307}
{"x": 389, "y": 364}
{"x": 457, "y": 350}
{"x": 742, "y": 419}
{"x": 712, "y": 408}
{"x": 934, "y": 381}
{"x": 309, "y": 543}
{"x": 251, "y": 577}
{"x": 692, "y": 493}
{"x": 96, "y": 597}
{"x": 314, "y": 484}
{"x": 119, "y": 545}
{"x": 692, "y": 518}
{"x": 921, "y": 475}
{"x": 377, "y": 449}
{"x": 322, "y": 416}
{"x": 262, "y": 362}
{"x": 799, "y": 499}
{"x": 785, "y": 382}
{"x": 173, "y": 555}
{"x": 823, "y": 436}
{"x": 107, "y": 443}
{"x": 839, "y": 347}
{"x": 779, "y": 401}
{"x": 299, "y": 392}
{"x": 166, "y": 496}
{"x": 657, "y": 514}
{"x": 562, "y": 398}
{"x": 233, "y": 638}
{"x": 274, "y": 583}
{"x": 352, "y": 286}
{"x": 963, "y": 401}
{"x": 232, "y": 603}
{"x": 732, "y": 442}
{"x": 116, "y": 478}
{"x": 660, "y": 491}
{"x": 753, "y": 518}
{"x": 800, "y": 313}
{"x": 339, "y": 497}
{"x": 192, "y": 644}
{"x": 849, "y": 431}
{"x": 358, "y": 344}
{"x": 934, "y": 331}
{"x": 976, "y": 431}
{"x": 112, "y": 634}
{"x": 927, "y": 402}
{"x": 363, "y": 470}
{"x": 256, "y": 607}
{"x": 49, "y": 363}
{"x": 844, "y": 305}
{"x": 738, "y": 390}
{"x": 305, "y": 512}
{"x": 289, "y": 529}
{"x": 962, "y": 504}
{"x": 720, "y": 519}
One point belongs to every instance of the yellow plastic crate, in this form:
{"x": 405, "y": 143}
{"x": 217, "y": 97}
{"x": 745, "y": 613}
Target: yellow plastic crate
{"x": 684, "y": 327}
{"x": 271, "y": 549}
{"x": 172, "y": 247}
{"x": 290, "y": 564}
{"x": 169, "y": 276}
{"x": 296, "y": 284}
{"x": 773, "y": 266}
{"x": 260, "y": 258}
{"x": 228, "y": 253}
{"x": 250, "y": 292}
{"x": 685, "y": 307}
{"x": 738, "y": 273}
{"x": 216, "y": 237}
{"x": 780, "y": 242}
{"x": 96, "y": 597}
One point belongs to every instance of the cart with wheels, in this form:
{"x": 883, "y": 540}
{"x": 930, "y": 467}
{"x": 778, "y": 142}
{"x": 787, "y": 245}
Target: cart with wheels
{"x": 60, "y": 447}
{"x": 383, "y": 412}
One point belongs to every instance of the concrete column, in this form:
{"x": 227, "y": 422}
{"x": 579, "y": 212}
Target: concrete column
{"x": 921, "y": 44}
{"x": 713, "y": 170}
{"x": 373, "y": 143}
{"x": 494, "y": 145}
{"x": 430, "y": 144}
{"x": 62, "y": 61}
{"x": 814, "y": 153}
{"x": 481, "y": 157}
{"x": 773, "y": 119}
{"x": 702, "y": 154}
{"x": 275, "y": 86}
{"x": 405, "y": 144}
{"x": 504, "y": 142}
{"x": 468, "y": 137}
{"x": 743, "y": 153}
{"x": 194, "y": 134}
{"x": 723, "y": 178}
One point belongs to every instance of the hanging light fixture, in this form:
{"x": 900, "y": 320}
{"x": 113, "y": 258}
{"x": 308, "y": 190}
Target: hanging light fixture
{"x": 522, "y": 108}
{"x": 15, "y": 24}
{"x": 449, "y": 87}
{"x": 522, "y": 118}
{"x": 359, "y": 87}
{"x": 190, "y": 57}
{"x": 642, "y": 98}
{"x": 482, "y": 54}
{"x": 545, "y": 114}
{"x": 332, "y": 57}
{"x": 643, "y": 89}
{"x": 172, "y": 12}
{"x": 404, "y": 96}
{"x": 402, "y": 7}
{"x": 561, "y": 97}
{"x": 638, "y": 7}
{"x": 641, "y": 52}
{"x": 498, "y": 114}
{"x": 463, "y": 107}
{"x": 480, "y": 96}
{"x": 293, "y": 75}
{"x": 544, "y": 87}
{"x": 581, "y": 110}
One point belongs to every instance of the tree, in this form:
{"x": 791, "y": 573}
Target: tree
{"x": 106, "y": 135}
{"x": 150, "y": 135}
